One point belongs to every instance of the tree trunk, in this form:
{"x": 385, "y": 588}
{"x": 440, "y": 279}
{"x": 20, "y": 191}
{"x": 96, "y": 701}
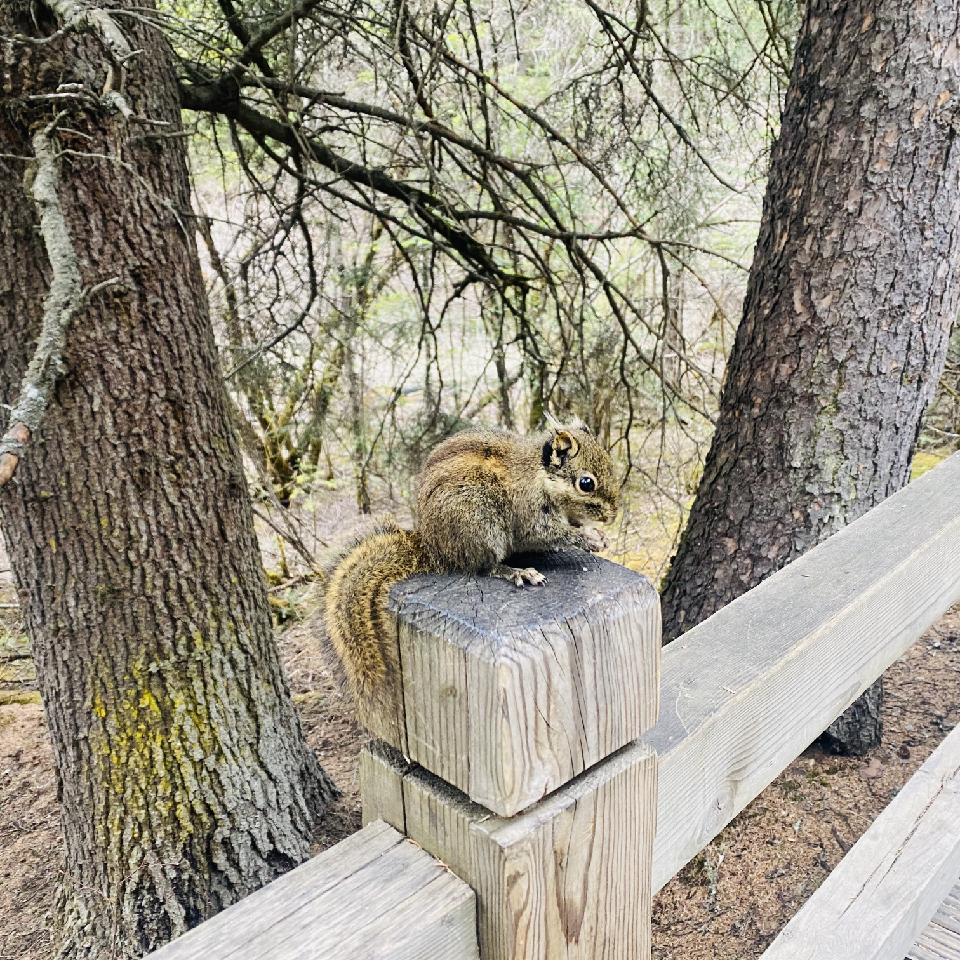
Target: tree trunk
{"x": 848, "y": 307}
{"x": 184, "y": 777}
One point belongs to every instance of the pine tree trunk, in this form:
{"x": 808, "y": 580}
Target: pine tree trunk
{"x": 184, "y": 777}
{"x": 848, "y": 308}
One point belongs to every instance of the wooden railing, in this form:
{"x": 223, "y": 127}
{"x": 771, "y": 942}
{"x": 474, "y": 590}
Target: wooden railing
{"x": 746, "y": 691}
{"x": 523, "y": 752}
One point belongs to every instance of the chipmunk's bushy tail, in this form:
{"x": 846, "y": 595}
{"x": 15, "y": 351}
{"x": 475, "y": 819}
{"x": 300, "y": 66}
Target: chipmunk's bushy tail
{"x": 355, "y": 606}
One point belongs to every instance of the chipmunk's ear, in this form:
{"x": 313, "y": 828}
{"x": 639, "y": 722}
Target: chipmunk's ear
{"x": 561, "y": 446}
{"x": 575, "y": 424}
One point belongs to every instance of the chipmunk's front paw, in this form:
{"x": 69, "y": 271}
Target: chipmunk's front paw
{"x": 594, "y": 540}
{"x": 528, "y": 574}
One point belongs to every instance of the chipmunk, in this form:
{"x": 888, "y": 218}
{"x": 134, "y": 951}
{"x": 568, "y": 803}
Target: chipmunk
{"x": 482, "y": 495}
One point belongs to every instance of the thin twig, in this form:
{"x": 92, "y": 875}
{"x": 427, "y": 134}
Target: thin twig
{"x": 289, "y": 536}
{"x": 292, "y": 582}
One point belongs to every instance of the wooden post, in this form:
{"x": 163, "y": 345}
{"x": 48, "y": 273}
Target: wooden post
{"x": 514, "y": 758}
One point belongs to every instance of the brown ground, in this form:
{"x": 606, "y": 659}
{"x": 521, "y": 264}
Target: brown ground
{"x": 729, "y": 903}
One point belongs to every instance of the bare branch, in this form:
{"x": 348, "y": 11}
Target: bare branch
{"x": 65, "y": 300}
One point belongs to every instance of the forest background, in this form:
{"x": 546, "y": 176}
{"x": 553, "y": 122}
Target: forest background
{"x": 613, "y": 170}
{"x": 410, "y": 219}
{"x": 615, "y": 176}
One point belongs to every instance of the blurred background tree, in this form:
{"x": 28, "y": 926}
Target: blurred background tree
{"x": 418, "y": 216}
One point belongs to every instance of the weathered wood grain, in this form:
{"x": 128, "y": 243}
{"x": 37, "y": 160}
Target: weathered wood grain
{"x": 747, "y": 690}
{"x": 382, "y": 769}
{"x": 882, "y": 894}
{"x": 941, "y": 938}
{"x": 374, "y": 895}
{"x": 510, "y": 693}
{"x": 568, "y": 879}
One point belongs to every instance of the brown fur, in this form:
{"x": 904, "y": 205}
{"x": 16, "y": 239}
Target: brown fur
{"x": 482, "y": 495}
{"x": 355, "y": 606}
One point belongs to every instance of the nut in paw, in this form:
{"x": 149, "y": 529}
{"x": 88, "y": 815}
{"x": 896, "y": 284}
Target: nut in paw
{"x": 595, "y": 540}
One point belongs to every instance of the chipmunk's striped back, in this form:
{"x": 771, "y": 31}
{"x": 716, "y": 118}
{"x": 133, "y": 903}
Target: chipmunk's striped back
{"x": 482, "y": 496}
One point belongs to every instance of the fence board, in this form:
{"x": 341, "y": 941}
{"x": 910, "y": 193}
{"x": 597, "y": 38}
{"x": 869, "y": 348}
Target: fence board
{"x": 567, "y": 879}
{"x": 374, "y": 895}
{"x": 941, "y": 939}
{"x": 746, "y": 691}
{"x": 879, "y": 898}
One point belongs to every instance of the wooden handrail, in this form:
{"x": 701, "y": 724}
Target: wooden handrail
{"x": 879, "y": 898}
{"x": 746, "y": 691}
{"x": 373, "y": 894}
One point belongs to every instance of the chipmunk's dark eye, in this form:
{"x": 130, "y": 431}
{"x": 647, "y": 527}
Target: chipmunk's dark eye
{"x": 587, "y": 484}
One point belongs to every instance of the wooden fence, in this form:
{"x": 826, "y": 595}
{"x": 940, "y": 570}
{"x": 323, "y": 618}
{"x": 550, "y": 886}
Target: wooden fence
{"x": 528, "y": 752}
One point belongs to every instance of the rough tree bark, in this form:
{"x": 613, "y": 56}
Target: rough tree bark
{"x": 184, "y": 777}
{"x": 848, "y": 309}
